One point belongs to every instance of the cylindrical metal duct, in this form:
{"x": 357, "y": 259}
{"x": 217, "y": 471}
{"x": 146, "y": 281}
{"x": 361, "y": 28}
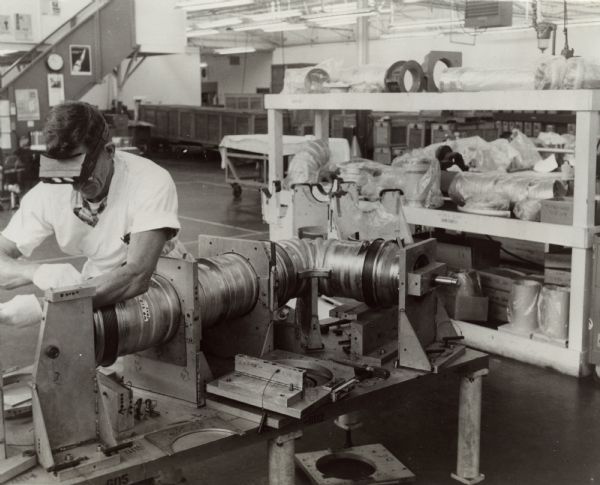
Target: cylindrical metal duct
{"x": 228, "y": 288}
{"x": 137, "y": 324}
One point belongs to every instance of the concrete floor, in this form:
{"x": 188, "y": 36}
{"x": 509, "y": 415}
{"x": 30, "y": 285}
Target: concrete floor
{"x": 538, "y": 427}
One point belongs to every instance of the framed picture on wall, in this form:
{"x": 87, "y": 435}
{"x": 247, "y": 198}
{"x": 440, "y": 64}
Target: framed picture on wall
{"x": 28, "y": 104}
{"x": 81, "y": 60}
{"x": 23, "y": 26}
{"x": 56, "y": 89}
{"x": 5, "y": 24}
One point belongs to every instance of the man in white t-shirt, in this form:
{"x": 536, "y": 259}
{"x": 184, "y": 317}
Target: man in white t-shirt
{"x": 117, "y": 209}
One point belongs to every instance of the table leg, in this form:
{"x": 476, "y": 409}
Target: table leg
{"x": 281, "y": 459}
{"x": 469, "y": 429}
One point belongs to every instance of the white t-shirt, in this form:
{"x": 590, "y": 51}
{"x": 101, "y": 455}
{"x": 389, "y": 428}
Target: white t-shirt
{"x": 142, "y": 197}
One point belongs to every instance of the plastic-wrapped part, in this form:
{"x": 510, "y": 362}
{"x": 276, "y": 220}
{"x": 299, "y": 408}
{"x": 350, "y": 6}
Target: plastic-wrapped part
{"x": 501, "y": 151}
{"x": 494, "y": 202}
{"x": 307, "y": 163}
{"x": 374, "y": 222}
{"x": 529, "y": 154}
{"x": 420, "y": 181}
{"x": 469, "y": 283}
{"x": 456, "y": 79}
{"x": 368, "y": 78}
{"x": 528, "y": 209}
{"x": 522, "y": 308}
{"x": 550, "y": 72}
{"x": 582, "y": 74}
{"x": 514, "y": 186}
{"x": 553, "y": 311}
{"x": 306, "y": 80}
{"x": 552, "y": 139}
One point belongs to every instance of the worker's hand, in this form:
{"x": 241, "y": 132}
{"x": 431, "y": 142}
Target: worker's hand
{"x": 56, "y": 276}
{"x": 21, "y": 311}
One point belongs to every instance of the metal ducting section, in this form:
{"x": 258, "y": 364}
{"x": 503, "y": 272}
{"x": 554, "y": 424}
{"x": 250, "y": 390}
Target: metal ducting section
{"x": 137, "y": 324}
{"x": 228, "y": 288}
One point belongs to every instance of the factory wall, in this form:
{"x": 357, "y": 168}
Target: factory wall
{"x": 162, "y": 79}
{"x": 253, "y": 71}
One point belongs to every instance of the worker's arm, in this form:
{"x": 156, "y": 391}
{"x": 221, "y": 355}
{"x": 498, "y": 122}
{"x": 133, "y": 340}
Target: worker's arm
{"x": 133, "y": 277}
{"x": 14, "y": 272}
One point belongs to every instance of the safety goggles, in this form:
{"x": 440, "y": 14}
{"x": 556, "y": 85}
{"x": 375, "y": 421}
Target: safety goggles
{"x": 72, "y": 169}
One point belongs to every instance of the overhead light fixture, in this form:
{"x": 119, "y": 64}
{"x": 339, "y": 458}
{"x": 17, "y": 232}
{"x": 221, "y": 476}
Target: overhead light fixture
{"x": 270, "y": 26}
{"x": 201, "y": 33}
{"x": 215, "y": 24}
{"x": 284, "y": 27}
{"x": 197, "y": 5}
{"x": 546, "y": 31}
{"x": 425, "y": 25}
{"x": 275, "y": 15}
{"x": 235, "y": 50}
{"x": 203, "y": 65}
{"x": 335, "y": 22}
{"x": 326, "y": 17}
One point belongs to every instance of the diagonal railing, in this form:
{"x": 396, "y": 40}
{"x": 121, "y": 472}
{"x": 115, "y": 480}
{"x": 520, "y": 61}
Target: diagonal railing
{"x": 45, "y": 45}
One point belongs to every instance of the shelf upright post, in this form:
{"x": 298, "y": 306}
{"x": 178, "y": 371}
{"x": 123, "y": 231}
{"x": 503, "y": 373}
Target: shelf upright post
{"x": 270, "y": 198}
{"x": 588, "y": 126}
{"x": 322, "y": 125}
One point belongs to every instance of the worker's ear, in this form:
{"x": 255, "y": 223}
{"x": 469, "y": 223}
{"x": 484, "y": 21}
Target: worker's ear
{"x": 110, "y": 148}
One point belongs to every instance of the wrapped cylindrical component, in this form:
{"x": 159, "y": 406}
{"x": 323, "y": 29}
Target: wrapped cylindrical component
{"x": 523, "y": 303}
{"x": 137, "y": 324}
{"x": 553, "y": 311}
{"x": 227, "y": 288}
{"x": 468, "y": 79}
{"x": 513, "y": 186}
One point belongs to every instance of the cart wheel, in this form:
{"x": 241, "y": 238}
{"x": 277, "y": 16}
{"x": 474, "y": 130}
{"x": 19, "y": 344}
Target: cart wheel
{"x": 237, "y": 190}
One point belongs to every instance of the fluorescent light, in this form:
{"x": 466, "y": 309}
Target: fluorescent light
{"x": 283, "y": 27}
{"x": 276, "y": 15}
{"x": 203, "y": 65}
{"x": 201, "y": 33}
{"x": 235, "y": 50}
{"x": 215, "y": 24}
{"x": 317, "y": 18}
{"x": 424, "y": 25}
{"x": 211, "y": 4}
{"x": 5, "y": 52}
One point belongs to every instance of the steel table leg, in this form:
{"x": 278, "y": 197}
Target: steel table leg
{"x": 281, "y": 459}
{"x": 469, "y": 429}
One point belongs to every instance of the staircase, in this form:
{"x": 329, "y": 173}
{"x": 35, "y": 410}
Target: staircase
{"x": 105, "y": 29}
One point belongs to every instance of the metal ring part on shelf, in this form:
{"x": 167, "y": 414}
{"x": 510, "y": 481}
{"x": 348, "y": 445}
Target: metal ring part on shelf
{"x": 394, "y": 77}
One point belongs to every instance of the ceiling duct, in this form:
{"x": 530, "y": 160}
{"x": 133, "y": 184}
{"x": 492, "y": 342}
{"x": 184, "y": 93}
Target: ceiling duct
{"x": 484, "y": 14}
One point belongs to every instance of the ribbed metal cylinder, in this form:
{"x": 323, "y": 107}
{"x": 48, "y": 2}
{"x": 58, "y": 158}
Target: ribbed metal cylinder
{"x": 137, "y": 324}
{"x": 345, "y": 260}
{"x": 228, "y": 288}
{"x": 293, "y": 257}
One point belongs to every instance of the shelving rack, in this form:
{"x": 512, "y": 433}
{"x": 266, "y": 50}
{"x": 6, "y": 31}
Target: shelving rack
{"x": 579, "y": 237}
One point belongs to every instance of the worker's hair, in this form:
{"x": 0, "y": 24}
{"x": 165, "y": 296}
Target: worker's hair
{"x": 71, "y": 124}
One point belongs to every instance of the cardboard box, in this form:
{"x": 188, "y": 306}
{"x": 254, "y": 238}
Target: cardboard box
{"x": 560, "y": 211}
{"x": 557, "y": 268}
{"x": 468, "y": 308}
{"x": 468, "y": 252}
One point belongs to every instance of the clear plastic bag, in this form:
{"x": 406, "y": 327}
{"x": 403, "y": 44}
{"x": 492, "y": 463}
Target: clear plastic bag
{"x": 368, "y": 78}
{"x": 307, "y": 163}
{"x": 295, "y": 80}
{"x": 467, "y": 79}
{"x": 550, "y": 72}
{"x": 528, "y": 209}
{"x": 495, "y": 202}
{"x": 420, "y": 180}
{"x": 529, "y": 154}
{"x": 582, "y": 74}
{"x": 553, "y": 311}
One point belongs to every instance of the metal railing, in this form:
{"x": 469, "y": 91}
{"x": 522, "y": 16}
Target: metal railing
{"x": 45, "y": 45}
